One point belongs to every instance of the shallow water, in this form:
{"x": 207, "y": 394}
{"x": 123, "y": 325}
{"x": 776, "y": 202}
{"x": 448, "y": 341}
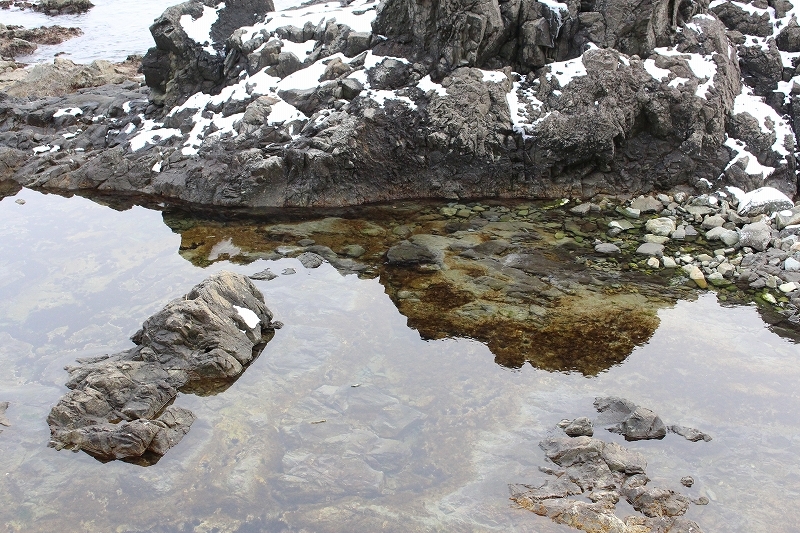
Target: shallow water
{"x": 112, "y": 29}
{"x": 427, "y": 441}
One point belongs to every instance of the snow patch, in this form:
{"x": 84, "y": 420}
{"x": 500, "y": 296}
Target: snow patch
{"x": 753, "y": 167}
{"x": 566, "y": 71}
{"x": 427, "y": 85}
{"x": 249, "y": 317}
{"x": 768, "y": 119}
{"x": 199, "y": 29}
{"x": 74, "y": 111}
{"x": 758, "y": 197}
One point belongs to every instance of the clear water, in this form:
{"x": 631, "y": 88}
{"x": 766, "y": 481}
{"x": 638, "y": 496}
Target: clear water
{"x": 112, "y": 29}
{"x": 429, "y": 439}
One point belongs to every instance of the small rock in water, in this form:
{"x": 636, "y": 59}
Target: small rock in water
{"x": 687, "y": 481}
{"x": 691, "y": 434}
{"x": 646, "y": 204}
{"x": 288, "y": 271}
{"x": 669, "y": 262}
{"x": 20, "y": 201}
{"x": 310, "y": 259}
{"x": 3, "y": 420}
{"x": 353, "y": 250}
{"x": 264, "y": 275}
{"x": 306, "y": 242}
{"x": 653, "y": 262}
{"x": 631, "y": 421}
{"x": 767, "y": 297}
{"x": 628, "y": 212}
{"x": 579, "y": 427}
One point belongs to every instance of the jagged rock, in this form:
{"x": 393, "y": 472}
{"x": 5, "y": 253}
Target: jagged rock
{"x": 660, "y": 226}
{"x": 115, "y": 408}
{"x": 654, "y": 502}
{"x": 310, "y": 259}
{"x": 629, "y": 420}
{"x": 579, "y": 427}
{"x": 691, "y": 434}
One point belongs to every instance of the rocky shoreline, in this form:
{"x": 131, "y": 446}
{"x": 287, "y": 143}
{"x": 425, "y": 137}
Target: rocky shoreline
{"x": 245, "y": 107}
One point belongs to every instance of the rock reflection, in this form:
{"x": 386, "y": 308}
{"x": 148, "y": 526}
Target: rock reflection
{"x": 506, "y": 283}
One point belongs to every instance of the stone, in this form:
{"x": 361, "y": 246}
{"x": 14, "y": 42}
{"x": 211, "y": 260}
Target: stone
{"x": 712, "y": 221}
{"x": 756, "y": 236}
{"x": 791, "y": 265}
{"x": 353, "y": 250}
{"x": 687, "y": 481}
{"x": 690, "y": 434}
{"x": 786, "y": 288}
{"x": 653, "y": 262}
{"x": 726, "y": 270}
{"x": 114, "y": 407}
{"x": 581, "y": 209}
{"x": 629, "y": 420}
{"x": 788, "y": 217}
{"x": 408, "y": 253}
{"x": 657, "y": 239}
{"x": 655, "y": 502}
{"x": 662, "y": 226}
{"x": 606, "y": 248}
{"x": 647, "y": 204}
{"x": 623, "y": 225}
{"x": 767, "y": 297}
{"x": 310, "y": 259}
{"x": 668, "y": 262}
{"x": 628, "y": 212}
{"x": 728, "y": 237}
{"x": 696, "y": 275}
{"x": 264, "y": 275}
{"x": 651, "y": 249}
{"x": 621, "y": 459}
{"x": 579, "y": 427}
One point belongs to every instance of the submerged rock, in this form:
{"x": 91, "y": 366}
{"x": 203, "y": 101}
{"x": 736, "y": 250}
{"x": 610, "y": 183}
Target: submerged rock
{"x": 629, "y": 420}
{"x": 119, "y": 405}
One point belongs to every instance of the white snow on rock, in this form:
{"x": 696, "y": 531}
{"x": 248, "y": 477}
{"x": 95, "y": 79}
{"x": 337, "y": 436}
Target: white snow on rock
{"x": 249, "y": 317}
{"x": 358, "y": 16}
{"x": 657, "y": 73}
{"x": 427, "y": 85}
{"x": 493, "y": 76}
{"x": 74, "y": 111}
{"x": 199, "y": 29}
{"x": 523, "y": 106}
{"x": 702, "y": 66}
{"x": 300, "y": 50}
{"x": 566, "y": 71}
{"x": 749, "y": 201}
{"x": 753, "y": 167}
{"x": 768, "y": 119}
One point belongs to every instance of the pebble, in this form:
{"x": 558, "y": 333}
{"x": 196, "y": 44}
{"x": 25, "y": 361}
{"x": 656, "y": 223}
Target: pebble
{"x": 288, "y": 271}
{"x": 687, "y": 481}
{"x": 20, "y": 201}
{"x": 696, "y": 275}
{"x": 651, "y": 248}
{"x": 653, "y": 262}
{"x": 791, "y": 265}
{"x": 669, "y": 262}
{"x": 606, "y": 248}
{"x": 786, "y": 288}
{"x": 767, "y": 297}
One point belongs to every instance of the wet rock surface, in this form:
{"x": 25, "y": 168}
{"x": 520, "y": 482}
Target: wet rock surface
{"x": 605, "y": 473}
{"x": 4, "y": 421}
{"x": 119, "y": 406}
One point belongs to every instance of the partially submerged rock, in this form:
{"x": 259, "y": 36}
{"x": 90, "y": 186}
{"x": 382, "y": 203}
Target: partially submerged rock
{"x": 119, "y": 405}
{"x": 3, "y": 420}
{"x": 628, "y": 419}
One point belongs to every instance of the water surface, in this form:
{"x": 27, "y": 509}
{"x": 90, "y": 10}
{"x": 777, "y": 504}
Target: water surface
{"x": 417, "y": 435}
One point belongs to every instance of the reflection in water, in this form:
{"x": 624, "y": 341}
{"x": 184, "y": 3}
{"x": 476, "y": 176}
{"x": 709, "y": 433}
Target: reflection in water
{"x": 501, "y": 283}
{"x": 417, "y": 435}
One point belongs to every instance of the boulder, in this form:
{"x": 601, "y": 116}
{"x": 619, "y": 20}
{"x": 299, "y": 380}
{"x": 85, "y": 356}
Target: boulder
{"x": 116, "y": 406}
{"x": 756, "y": 236}
{"x": 629, "y": 420}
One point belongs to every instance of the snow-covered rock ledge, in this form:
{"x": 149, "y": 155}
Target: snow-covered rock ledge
{"x": 334, "y": 104}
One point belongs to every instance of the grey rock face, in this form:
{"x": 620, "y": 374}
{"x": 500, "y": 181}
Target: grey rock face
{"x": 116, "y": 406}
{"x": 579, "y": 427}
{"x": 629, "y": 420}
{"x": 691, "y": 434}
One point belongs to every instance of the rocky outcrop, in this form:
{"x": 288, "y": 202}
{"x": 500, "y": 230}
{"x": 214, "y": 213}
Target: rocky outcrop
{"x": 333, "y": 105}
{"x": 182, "y": 63}
{"x": 603, "y": 472}
{"x": 119, "y": 406}
{"x": 16, "y": 40}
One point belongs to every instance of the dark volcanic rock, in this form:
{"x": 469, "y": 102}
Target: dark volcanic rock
{"x": 119, "y": 405}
